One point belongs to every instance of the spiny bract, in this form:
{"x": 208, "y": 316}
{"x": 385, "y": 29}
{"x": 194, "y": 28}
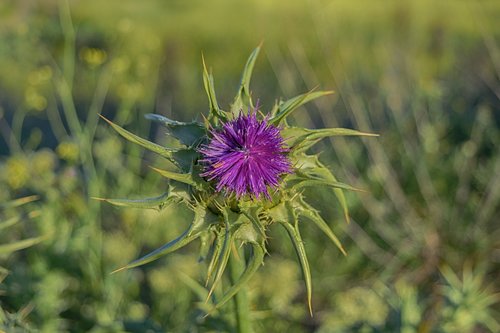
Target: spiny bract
{"x": 236, "y": 201}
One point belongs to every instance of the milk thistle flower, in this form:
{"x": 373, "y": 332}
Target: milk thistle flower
{"x": 246, "y": 156}
{"x": 241, "y": 172}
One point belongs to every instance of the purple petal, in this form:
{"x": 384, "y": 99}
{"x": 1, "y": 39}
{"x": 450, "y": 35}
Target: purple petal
{"x": 245, "y": 156}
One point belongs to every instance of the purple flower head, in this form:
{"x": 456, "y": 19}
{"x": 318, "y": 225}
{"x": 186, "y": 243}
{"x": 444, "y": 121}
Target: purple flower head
{"x": 245, "y": 156}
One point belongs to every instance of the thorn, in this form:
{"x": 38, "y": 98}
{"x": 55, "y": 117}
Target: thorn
{"x": 105, "y": 119}
{"x": 119, "y": 270}
{"x": 310, "y": 309}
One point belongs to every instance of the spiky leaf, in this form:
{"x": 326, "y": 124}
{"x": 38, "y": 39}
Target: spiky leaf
{"x": 147, "y": 203}
{"x": 243, "y": 99}
{"x": 19, "y": 245}
{"x": 10, "y": 222}
{"x": 216, "y": 254}
{"x": 285, "y": 108}
{"x": 185, "y": 238}
{"x": 186, "y": 178}
{"x": 300, "y": 139}
{"x": 188, "y": 134}
{"x": 19, "y": 202}
{"x": 216, "y": 112}
{"x": 180, "y": 157}
{"x": 293, "y": 232}
{"x": 312, "y": 214}
{"x": 252, "y": 214}
{"x": 297, "y": 182}
{"x": 311, "y": 165}
{"x": 223, "y": 258}
{"x": 254, "y": 262}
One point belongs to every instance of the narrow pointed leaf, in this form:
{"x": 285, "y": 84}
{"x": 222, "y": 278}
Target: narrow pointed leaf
{"x": 218, "y": 246}
{"x": 301, "y": 138}
{"x": 342, "y": 200}
{"x": 167, "y": 153}
{"x": 243, "y": 98}
{"x": 186, "y": 178}
{"x": 281, "y": 213}
{"x": 311, "y": 164}
{"x": 19, "y": 202}
{"x": 208, "y": 82}
{"x": 194, "y": 285}
{"x": 253, "y": 265}
{"x": 188, "y": 134}
{"x": 180, "y": 157}
{"x": 222, "y": 260}
{"x": 308, "y": 182}
{"x": 10, "y": 222}
{"x": 253, "y": 216}
{"x": 147, "y": 203}
{"x": 285, "y": 108}
{"x": 304, "y": 263}
{"x": 19, "y": 245}
{"x": 313, "y": 215}
{"x": 205, "y": 242}
{"x": 185, "y": 238}
{"x": 203, "y": 218}
{"x": 183, "y": 158}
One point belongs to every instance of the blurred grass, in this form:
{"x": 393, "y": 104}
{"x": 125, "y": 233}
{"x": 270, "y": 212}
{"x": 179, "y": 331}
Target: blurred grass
{"x": 423, "y": 245}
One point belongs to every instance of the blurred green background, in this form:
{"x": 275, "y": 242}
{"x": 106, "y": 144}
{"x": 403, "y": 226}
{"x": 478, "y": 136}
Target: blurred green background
{"x": 424, "y": 241}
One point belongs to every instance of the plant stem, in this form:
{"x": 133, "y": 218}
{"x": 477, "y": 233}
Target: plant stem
{"x": 241, "y": 304}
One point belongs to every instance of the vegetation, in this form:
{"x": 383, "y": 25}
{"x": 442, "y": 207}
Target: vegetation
{"x": 423, "y": 242}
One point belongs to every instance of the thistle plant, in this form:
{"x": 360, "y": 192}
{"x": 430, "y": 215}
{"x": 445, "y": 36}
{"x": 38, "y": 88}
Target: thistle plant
{"x": 241, "y": 172}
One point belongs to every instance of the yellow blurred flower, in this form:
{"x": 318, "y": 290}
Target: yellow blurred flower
{"x": 43, "y": 161}
{"x": 34, "y": 100}
{"x": 68, "y": 151}
{"x": 17, "y": 171}
{"x": 40, "y": 75}
{"x": 93, "y": 57}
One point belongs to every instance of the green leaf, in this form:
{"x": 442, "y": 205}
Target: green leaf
{"x": 189, "y": 134}
{"x": 19, "y": 202}
{"x": 192, "y": 284}
{"x": 22, "y": 244}
{"x": 183, "y": 158}
{"x": 205, "y": 244}
{"x": 186, "y": 178}
{"x": 310, "y": 164}
{"x": 300, "y": 139}
{"x": 243, "y": 99}
{"x": 180, "y": 157}
{"x": 208, "y": 82}
{"x": 341, "y": 199}
{"x": 255, "y": 261}
{"x": 149, "y": 203}
{"x": 223, "y": 258}
{"x": 297, "y": 182}
{"x": 216, "y": 252}
{"x": 312, "y": 214}
{"x": 203, "y": 217}
{"x": 285, "y": 108}
{"x": 296, "y": 239}
{"x": 252, "y": 214}
{"x": 204, "y": 220}
{"x": 281, "y": 213}
{"x": 185, "y": 238}
{"x": 10, "y": 222}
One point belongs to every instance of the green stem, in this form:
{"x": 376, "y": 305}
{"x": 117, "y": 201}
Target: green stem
{"x": 241, "y": 304}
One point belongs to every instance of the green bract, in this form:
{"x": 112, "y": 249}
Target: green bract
{"x": 226, "y": 222}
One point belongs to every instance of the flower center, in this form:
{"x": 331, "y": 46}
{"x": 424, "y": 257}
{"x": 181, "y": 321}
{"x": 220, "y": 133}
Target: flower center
{"x": 245, "y": 156}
